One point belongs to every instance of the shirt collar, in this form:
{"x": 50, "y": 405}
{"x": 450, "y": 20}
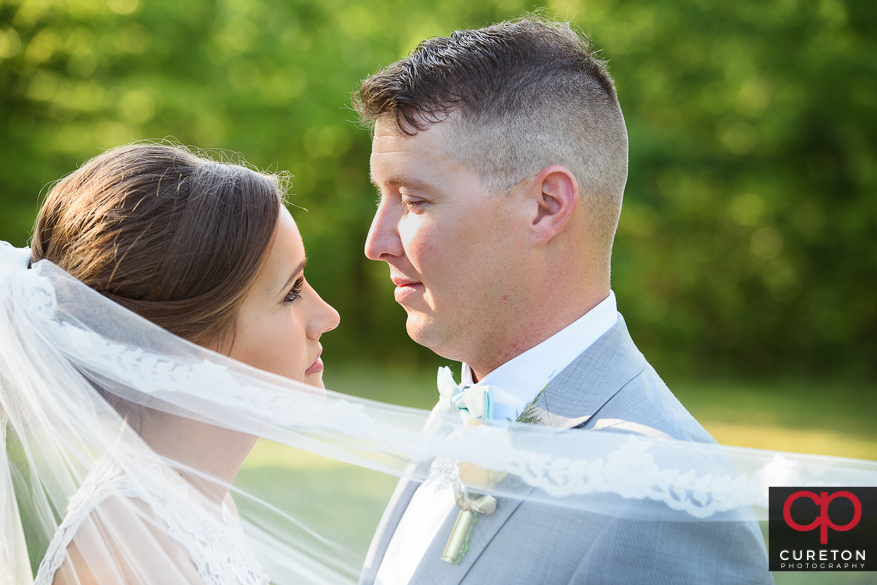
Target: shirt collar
{"x": 518, "y": 381}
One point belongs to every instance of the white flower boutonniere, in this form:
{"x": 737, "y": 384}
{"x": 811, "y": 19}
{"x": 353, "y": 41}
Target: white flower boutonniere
{"x": 471, "y": 506}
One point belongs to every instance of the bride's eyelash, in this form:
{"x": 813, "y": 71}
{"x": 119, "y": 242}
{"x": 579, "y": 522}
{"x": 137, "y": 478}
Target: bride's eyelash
{"x": 294, "y": 293}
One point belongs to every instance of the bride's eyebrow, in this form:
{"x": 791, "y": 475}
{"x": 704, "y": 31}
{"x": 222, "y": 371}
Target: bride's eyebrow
{"x": 297, "y": 271}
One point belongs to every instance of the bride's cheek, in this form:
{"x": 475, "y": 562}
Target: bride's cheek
{"x": 290, "y": 346}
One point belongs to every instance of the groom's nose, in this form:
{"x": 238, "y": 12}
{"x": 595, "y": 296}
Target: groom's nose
{"x": 383, "y": 236}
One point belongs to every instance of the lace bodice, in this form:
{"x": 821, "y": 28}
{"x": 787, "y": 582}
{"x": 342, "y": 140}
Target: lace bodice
{"x": 217, "y": 546}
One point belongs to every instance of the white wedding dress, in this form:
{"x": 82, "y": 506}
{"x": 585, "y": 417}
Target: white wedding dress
{"x": 219, "y": 550}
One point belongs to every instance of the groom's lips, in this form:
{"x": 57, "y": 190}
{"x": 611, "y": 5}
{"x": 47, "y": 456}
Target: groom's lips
{"x": 405, "y": 288}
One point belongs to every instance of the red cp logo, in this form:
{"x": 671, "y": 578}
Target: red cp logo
{"x": 823, "y": 522}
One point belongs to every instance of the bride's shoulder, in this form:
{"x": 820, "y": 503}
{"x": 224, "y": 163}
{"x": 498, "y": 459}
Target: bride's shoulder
{"x": 114, "y": 532}
{"x": 123, "y": 539}
{"x": 145, "y": 525}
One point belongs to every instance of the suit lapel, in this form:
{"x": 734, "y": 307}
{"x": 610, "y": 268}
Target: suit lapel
{"x": 434, "y": 571}
{"x": 570, "y": 400}
{"x": 576, "y": 395}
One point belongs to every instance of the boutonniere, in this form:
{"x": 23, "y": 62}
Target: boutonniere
{"x": 472, "y": 505}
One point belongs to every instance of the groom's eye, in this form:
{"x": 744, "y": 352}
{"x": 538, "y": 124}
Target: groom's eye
{"x": 294, "y": 293}
{"x": 412, "y": 204}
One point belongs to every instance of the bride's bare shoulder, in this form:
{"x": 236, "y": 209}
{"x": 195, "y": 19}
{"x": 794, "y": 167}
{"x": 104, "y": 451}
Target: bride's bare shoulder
{"x": 124, "y": 541}
{"x": 75, "y": 570}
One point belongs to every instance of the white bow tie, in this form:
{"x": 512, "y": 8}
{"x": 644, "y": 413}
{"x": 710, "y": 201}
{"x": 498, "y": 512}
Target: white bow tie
{"x": 469, "y": 401}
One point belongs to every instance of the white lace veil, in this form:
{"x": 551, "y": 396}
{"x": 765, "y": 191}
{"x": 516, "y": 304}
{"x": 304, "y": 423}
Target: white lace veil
{"x": 72, "y": 467}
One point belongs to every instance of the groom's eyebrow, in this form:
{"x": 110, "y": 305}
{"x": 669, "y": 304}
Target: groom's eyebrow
{"x": 298, "y": 270}
{"x": 399, "y": 182}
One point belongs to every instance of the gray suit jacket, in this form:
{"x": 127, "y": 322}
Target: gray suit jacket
{"x": 609, "y": 387}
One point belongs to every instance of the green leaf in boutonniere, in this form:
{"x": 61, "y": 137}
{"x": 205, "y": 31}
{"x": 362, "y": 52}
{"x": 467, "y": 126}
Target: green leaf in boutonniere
{"x": 532, "y": 414}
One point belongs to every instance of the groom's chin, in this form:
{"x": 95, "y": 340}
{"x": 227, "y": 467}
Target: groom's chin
{"x": 425, "y": 331}
{"x": 418, "y": 327}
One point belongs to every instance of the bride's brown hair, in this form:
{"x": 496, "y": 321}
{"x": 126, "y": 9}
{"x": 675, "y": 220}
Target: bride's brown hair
{"x": 174, "y": 237}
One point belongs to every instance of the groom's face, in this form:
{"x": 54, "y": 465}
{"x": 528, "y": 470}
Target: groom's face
{"x": 453, "y": 246}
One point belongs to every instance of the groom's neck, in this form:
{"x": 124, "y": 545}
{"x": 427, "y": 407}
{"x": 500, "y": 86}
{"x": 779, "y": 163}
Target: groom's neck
{"x": 546, "y": 320}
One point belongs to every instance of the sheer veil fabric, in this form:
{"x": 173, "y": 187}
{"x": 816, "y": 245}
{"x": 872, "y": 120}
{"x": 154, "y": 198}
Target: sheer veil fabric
{"x": 77, "y": 373}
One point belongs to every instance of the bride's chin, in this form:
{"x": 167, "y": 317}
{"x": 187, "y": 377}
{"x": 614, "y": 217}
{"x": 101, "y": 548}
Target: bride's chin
{"x": 316, "y": 381}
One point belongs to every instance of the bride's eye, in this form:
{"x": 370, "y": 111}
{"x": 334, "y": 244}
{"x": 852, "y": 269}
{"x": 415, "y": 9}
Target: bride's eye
{"x": 294, "y": 293}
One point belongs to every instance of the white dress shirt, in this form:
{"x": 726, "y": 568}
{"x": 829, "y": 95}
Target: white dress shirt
{"x": 514, "y": 385}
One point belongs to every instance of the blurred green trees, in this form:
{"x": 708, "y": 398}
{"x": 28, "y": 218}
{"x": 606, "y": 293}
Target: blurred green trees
{"x": 748, "y": 237}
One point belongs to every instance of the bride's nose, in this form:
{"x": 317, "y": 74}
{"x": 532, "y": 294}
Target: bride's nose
{"x": 323, "y": 317}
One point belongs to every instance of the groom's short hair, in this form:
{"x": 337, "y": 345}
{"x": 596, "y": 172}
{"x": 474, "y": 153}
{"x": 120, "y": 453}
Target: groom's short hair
{"x": 523, "y": 95}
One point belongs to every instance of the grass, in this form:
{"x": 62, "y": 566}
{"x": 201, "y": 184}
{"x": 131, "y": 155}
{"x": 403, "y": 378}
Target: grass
{"x": 318, "y": 497}
{"x": 820, "y": 417}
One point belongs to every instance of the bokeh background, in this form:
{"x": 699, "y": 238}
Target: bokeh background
{"x": 746, "y": 256}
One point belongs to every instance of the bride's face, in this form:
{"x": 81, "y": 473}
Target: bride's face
{"x": 282, "y": 318}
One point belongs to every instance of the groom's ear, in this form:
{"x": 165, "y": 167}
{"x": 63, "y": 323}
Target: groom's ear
{"x": 554, "y": 195}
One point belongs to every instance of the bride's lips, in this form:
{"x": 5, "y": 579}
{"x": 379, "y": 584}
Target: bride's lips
{"x": 316, "y": 367}
{"x": 405, "y": 287}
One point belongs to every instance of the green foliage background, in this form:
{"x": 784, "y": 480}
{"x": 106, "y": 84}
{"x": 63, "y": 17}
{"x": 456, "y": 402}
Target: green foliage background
{"x": 747, "y": 241}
